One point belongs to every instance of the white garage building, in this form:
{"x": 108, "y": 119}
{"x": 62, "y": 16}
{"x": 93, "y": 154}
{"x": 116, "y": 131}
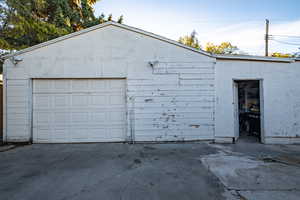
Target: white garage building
{"x": 115, "y": 83}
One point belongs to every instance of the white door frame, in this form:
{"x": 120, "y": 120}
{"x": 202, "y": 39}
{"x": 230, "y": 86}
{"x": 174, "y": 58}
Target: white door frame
{"x": 236, "y": 108}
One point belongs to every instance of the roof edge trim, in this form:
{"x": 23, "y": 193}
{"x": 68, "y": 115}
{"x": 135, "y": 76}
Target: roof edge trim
{"x": 254, "y": 58}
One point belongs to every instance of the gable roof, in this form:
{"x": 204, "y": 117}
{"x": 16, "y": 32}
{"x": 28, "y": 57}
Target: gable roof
{"x": 149, "y": 34}
{"x": 99, "y": 26}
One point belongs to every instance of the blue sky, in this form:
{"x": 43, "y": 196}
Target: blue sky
{"x": 240, "y": 22}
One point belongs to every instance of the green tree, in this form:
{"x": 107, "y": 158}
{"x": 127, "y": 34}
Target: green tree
{"x": 190, "y": 40}
{"x": 223, "y": 48}
{"x": 21, "y": 24}
{"x": 29, "y": 22}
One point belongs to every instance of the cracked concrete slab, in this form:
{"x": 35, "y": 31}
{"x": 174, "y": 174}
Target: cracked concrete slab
{"x": 267, "y": 195}
{"x": 245, "y": 173}
{"x": 256, "y": 171}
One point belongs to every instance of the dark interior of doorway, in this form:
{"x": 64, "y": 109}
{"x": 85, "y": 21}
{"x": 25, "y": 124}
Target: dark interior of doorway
{"x": 249, "y": 110}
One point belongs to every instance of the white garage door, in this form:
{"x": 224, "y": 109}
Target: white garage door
{"x": 79, "y": 110}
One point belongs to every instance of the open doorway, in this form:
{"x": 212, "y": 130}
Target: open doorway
{"x": 248, "y": 110}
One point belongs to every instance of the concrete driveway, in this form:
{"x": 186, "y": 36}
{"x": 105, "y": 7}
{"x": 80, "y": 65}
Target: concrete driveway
{"x": 108, "y": 171}
{"x": 141, "y": 171}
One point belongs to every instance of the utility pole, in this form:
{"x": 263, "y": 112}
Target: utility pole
{"x": 267, "y": 38}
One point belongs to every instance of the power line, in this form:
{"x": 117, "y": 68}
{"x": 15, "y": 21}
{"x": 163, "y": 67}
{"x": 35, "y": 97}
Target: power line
{"x": 287, "y": 36}
{"x": 288, "y": 40}
{"x": 209, "y": 20}
{"x": 289, "y": 43}
{"x": 283, "y": 37}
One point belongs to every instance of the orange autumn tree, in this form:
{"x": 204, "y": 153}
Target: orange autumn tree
{"x": 223, "y": 48}
{"x": 190, "y": 40}
{"x": 282, "y": 55}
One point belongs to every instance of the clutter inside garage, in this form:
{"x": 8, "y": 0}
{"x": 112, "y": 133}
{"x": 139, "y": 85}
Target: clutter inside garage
{"x": 249, "y": 108}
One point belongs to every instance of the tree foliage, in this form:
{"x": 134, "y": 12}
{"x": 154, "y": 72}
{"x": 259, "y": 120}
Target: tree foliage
{"x": 29, "y": 22}
{"x": 223, "y": 48}
{"x": 190, "y": 40}
{"x": 282, "y": 55}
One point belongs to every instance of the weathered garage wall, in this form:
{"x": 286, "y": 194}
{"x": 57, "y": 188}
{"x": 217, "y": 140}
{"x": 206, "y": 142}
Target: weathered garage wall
{"x": 16, "y": 100}
{"x": 281, "y": 95}
{"x": 174, "y": 100}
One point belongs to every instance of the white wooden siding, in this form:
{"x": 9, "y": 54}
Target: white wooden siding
{"x": 17, "y": 118}
{"x": 175, "y": 103}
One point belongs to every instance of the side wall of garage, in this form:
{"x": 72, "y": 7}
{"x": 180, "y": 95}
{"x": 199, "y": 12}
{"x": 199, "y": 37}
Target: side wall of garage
{"x": 171, "y": 101}
{"x": 281, "y": 98}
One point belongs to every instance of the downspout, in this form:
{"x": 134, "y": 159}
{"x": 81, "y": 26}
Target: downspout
{"x": 216, "y": 98}
{"x": 30, "y": 109}
{"x": 4, "y": 106}
{"x": 132, "y": 120}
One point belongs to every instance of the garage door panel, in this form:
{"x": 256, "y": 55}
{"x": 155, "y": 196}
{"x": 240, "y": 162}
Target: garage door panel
{"x": 98, "y": 133}
{"x": 53, "y": 101}
{"x": 116, "y": 86}
{"x": 116, "y": 100}
{"x": 98, "y": 100}
{"x": 42, "y": 118}
{"x": 60, "y": 101}
{"x": 79, "y": 101}
{"x": 79, "y": 133}
{"x": 41, "y": 86}
{"x": 116, "y": 117}
{"x": 98, "y": 116}
{"x": 62, "y": 85}
{"x": 59, "y": 134}
{"x": 80, "y": 117}
{"x": 96, "y": 87}
{"x": 80, "y": 85}
{"x": 44, "y": 133}
{"x": 42, "y": 102}
{"x": 60, "y": 118}
{"x": 79, "y": 110}
{"x": 116, "y": 132}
